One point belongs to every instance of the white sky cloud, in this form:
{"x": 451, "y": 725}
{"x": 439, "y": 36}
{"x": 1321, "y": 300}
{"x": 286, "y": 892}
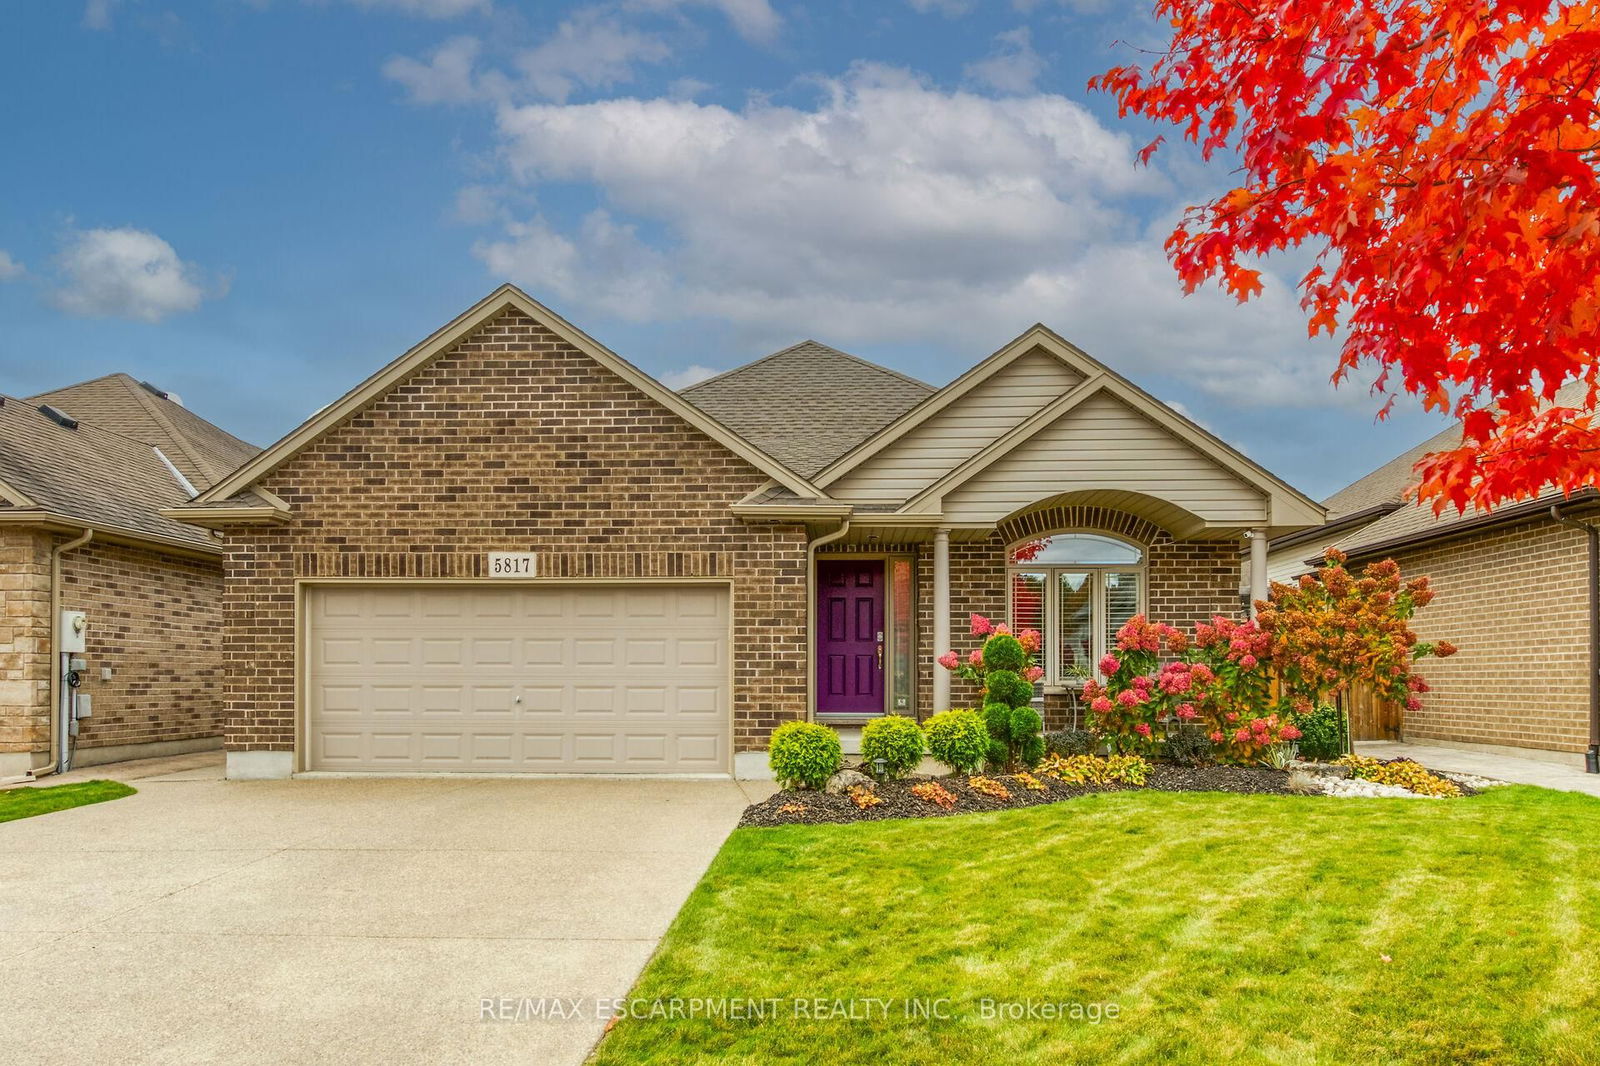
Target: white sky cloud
{"x": 589, "y": 50}
{"x": 689, "y": 375}
{"x": 1013, "y": 66}
{"x": 754, "y": 20}
{"x": 10, "y": 269}
{"x": 891, "y": 211}
{"x": 447, "y": 76}
{"x": 125, "y": 273}
{"x": 433, "y": 9}
{"x": 97, "y": 14}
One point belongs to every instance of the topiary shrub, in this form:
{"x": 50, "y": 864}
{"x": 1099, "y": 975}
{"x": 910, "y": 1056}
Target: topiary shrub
{"x": 804, "y": 754}
{"x": 895, "y": 739}
{"x": 1007, "y": 687}
{"x": 1003, "y": 652}
{"x": 958, "y": 739}
{"x": 1321, "y": 733}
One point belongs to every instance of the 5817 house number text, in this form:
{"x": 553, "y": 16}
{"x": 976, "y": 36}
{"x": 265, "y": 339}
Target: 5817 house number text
{"x": 511, "y": 564}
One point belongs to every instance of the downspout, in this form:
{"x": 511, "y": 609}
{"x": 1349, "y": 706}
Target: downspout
{"x": 811, "y": 612}
{"x": 57, "y": 751}
{"x": 1591, "y": 759}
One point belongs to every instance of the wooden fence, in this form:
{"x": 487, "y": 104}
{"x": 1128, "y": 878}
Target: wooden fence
{"x": 1371, "y": 716}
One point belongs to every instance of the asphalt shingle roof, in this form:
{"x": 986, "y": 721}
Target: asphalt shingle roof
{"x": 116, "y": 402}
{"x": 808, "y": 404}
{"x": 89, "y": 473}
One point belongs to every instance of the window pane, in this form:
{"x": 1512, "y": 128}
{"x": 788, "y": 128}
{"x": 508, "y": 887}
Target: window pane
{"x": 1077, "y": 622}
{"x": 1027, "y": 602}
{"x": 1122, "y": 602}
{"x": 901, "y": 637}
{"x": 1077, "y": 549}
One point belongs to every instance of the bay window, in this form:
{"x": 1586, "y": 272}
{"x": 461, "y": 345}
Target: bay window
{"x": 1077, "y": 590}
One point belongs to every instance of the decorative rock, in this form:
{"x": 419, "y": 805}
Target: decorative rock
{"x": 1326, "y": 769}
{"x": 844, "y": 781}
{"x": 1368, "y": 789}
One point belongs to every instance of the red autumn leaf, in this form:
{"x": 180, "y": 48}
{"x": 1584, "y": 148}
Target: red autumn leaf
{"x": 1443, "y": 156}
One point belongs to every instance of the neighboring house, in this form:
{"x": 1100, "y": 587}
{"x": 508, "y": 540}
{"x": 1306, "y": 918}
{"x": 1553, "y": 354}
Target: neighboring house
{"x": 511, "y": 550}
{"x": 1511, "y": 591}
{"x": 84, "y": 474}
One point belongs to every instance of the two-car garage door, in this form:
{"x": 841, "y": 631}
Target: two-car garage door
{"x": 518, "y": 678}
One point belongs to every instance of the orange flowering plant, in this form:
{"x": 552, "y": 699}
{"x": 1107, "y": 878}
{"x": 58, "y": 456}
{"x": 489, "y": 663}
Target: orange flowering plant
{"x": 1314, "y": 638}
{"x": 1334, "y": 628}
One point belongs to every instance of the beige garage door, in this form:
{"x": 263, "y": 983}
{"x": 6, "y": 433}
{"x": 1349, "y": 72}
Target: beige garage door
{"x": 596, "y": 679}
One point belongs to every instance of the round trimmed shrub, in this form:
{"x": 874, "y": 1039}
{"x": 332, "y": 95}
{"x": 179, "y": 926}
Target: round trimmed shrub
{"x": 1030, "y": 750}
{"x": 1008, "y": 687}
{"x": 804, "y": 754}
{"x": 958, "y": 739}
{"x": 997, "y": 719}
{"x": 1025, "y": 722}
{"x": 895, "y": 739}
{"x": 1003, "y": 652}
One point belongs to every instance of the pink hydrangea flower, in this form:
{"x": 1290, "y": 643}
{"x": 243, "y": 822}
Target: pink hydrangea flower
{"x": 1030, "y": 639}
{"x": 949, "y": 660}
{"x": 1100, "y": 705}
{"x": 1216, "y": 738}
{"x": 1109, "y": 664}
{"x": 1187, "y": 712}
{"x": 1128, "y": 698}
{"x": 1002, "y": 630}
{"x": 1033, "y": 673}
{"x": 981, "y": 626}
{"x": 1232, "y": 716}
{"x": 1143, "y": 729}
{"x": 1248, "y": 662}
{"x": 1289, "y": 732}
{"x": 976, "y": 657}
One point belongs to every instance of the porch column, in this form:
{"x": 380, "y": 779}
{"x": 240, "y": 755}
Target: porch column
{"x": 1258, "y": 568}
{"x": 941, "y": 617}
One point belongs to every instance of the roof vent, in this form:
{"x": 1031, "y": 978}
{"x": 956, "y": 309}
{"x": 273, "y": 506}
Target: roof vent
{"x": 58, "y": 416}
{"x": 163, "y": 393}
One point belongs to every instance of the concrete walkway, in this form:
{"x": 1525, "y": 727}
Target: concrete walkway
{"x": 366, "y": 920}
{"x": 1488, "y": 764}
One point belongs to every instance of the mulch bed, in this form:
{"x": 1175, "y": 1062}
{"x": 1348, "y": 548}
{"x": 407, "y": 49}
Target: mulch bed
{"x": 819, "y": 808}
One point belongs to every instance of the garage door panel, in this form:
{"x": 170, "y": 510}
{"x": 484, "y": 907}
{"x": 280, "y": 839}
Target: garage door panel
{"x": 596, "y": 679}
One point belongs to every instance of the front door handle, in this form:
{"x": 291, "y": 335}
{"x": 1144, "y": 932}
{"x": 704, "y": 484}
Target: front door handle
{"x": 880, "y": 655}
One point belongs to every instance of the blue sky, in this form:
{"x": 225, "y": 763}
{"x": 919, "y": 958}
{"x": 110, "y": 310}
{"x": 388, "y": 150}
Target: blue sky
{"x": 255, "y": 203}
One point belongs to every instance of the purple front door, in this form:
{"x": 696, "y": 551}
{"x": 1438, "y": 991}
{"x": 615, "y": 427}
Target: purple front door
{"x": 850, "y": 637}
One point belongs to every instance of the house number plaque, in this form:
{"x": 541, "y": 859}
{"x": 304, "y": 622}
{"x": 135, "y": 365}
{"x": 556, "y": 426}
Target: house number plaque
{"x": 512, "y": 564}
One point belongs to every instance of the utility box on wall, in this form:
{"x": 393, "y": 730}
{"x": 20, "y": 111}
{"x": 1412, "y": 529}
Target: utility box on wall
{"x": 74, "y": 631}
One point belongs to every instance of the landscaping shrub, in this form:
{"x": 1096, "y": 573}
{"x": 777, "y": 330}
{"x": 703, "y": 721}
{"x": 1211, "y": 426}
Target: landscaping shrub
{"x": 988, "y": 786}
{"x": 1002, "y": 651}
{"x": 804, "y": 754}
{"x": 895, "y": 739}
{"x": 1093, "y": 770}
{"x": 1321, "y": 733}
{"x": 1071, "y": 742}
{"x": 958, "y": 739}
{"x": 1188, "y": 747}
{"x": 934, "y": 793}
{"x": 1005, "y": 672}
{"x": 1409, "y": 775}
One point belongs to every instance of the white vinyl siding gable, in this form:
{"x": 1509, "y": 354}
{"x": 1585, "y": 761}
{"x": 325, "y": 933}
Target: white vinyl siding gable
{"x": 1105, "y": 444}
{"x": 930, "y": 450}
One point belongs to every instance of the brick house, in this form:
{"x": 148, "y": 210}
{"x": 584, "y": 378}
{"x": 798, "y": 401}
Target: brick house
{"x": 511, "y": 550}
{"x": 84, "y": 474}
{"x": 1512, "y": 591}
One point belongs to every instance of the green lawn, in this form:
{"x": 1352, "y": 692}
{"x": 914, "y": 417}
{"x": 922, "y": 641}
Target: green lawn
{"x": 26, "y": 802}
{"x": 1225, "y": 928}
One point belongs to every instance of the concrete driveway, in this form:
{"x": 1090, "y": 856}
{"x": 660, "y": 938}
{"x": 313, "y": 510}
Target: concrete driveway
{"x": 340, "y": 920}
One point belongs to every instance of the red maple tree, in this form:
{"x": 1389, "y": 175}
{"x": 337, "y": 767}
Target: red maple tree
{"x": 1441, "y": 155}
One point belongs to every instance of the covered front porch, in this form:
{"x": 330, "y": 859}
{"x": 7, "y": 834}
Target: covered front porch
{"x": 892, "y": 592}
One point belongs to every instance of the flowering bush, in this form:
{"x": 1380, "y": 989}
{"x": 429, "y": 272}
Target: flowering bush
{"x": 1333, "y": 628}
{"x": 1312, "y": 640}
{"x": 1005, "y": 672}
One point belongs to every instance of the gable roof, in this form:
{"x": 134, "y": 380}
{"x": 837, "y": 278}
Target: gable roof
{"x": 228, "y": 491}
{"x": 807, "y": 404}
{"x": 204, "y": 452}
{"x": 50, "y": 473}
{"x": 1404, "y": 520}
{"x": 1101, "y": 378}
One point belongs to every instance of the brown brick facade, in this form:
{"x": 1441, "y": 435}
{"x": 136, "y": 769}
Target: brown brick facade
{"x": 154, "y": 620}
{"x": 1515, "y": 601}
{"x": 514, "y": 440}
